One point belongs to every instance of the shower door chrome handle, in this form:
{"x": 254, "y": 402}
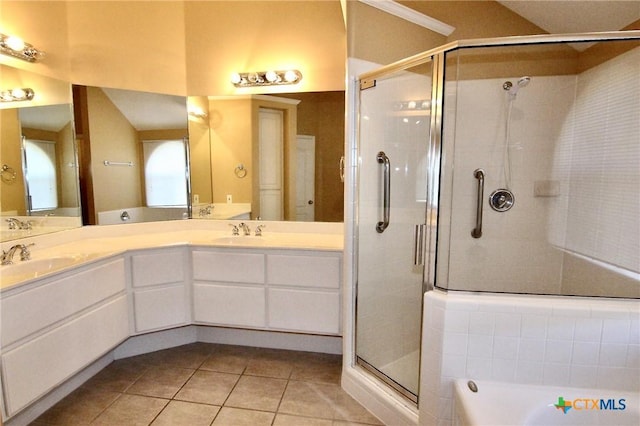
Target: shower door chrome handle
{"x": 386, "y": 202}
{"x": 477, "y": 231}
{"x": 418, "y": 247}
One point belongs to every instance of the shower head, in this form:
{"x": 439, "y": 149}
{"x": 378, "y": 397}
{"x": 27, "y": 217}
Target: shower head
{"x": 524, "y": 81}
{"x": 513, "y": 88}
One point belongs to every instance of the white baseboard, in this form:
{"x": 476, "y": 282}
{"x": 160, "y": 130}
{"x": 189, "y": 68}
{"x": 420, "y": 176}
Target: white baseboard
{"x": 151, "y": 342}
{"x": 271, "y": 339}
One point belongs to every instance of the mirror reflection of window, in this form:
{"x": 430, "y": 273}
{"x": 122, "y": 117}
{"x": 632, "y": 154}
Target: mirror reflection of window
{"x": 164, "y": 173}
{"x": 40, "y": 171}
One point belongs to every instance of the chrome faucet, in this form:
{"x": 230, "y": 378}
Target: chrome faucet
{"x": 25, "y": 254}
{"x": 235, "y": 230}
{"x": 205, "y": 211}
{"x": 18, "y": 224}
{"x": 245, "y": 228}
{"x": 259, "y": 230}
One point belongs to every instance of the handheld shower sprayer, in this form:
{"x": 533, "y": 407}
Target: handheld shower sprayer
{"x": 513, "y": 88}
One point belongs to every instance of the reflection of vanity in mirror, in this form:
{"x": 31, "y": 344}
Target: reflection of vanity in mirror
{"x": 279, "y": 154}
{"x": 133, "y": 155}
{"x": 39, "y": 185}
{"x": 223, "y": 139}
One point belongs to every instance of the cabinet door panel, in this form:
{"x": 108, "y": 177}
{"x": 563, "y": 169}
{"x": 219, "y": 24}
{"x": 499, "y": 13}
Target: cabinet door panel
{"x": 34, "y": 368}
{"x": 228, "y": 267}
{"x": 304, "y": 310}
{"x": 25, "y": 313}
{"x": 304, "y": 271}
{"x": 160, "y": 308}
{"x": 163, "y": 267}
{"x": 229, "y": 305}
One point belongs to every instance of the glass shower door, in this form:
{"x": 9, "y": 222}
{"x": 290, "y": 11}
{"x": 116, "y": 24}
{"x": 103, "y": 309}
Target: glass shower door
{"x": 394, "y": 129}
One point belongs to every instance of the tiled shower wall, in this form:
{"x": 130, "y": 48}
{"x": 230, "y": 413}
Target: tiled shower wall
{"x": 544, "y": 340}
{"x": 514, "y": 253}
{"x": 574, "y": 158}
{"x": 604, "y": 168}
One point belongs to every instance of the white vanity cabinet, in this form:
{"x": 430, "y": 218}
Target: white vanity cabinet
{"x": 303, "y": 291}
{"x": 54, "y": 327}
{"x": 269, "y": 289}
{"x": 161, "y": 297}
{"x": 228, "y": 287}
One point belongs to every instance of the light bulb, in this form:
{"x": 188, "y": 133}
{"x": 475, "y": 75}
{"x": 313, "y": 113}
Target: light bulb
{"x": 235, "y": 78}
{"x": 14, "y": 43}
{"x": 18, "y": 94}
{"x": 271, "y": 76}
{"x": 412, "y": 105}
{"x": 291, "y": 76}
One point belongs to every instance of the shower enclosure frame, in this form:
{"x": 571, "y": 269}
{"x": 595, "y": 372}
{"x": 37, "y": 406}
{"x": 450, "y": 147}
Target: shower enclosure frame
{"x": 438, "y": 57}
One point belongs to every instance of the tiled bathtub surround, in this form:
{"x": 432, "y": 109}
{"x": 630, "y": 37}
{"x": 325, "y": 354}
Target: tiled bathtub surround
{"x": 578, "y": 342}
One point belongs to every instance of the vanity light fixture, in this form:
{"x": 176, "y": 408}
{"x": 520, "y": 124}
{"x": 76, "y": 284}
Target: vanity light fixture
{"x": 265, "y": 78}
{"x": 16, "y": 95}
{"x": 18, "y": 48}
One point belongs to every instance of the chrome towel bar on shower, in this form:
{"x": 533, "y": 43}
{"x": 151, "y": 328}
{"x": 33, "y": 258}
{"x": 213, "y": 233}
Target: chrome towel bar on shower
{"x": 382, "y": 158}
{"x": 477, "y": 231}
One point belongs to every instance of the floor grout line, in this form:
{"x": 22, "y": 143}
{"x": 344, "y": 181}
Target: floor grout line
{"x": 310, "y": 370}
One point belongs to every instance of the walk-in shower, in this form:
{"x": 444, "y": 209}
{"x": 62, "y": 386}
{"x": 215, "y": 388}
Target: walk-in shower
{"x": 551, "y": 120}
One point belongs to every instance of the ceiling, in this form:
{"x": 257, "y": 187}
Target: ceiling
{"x": 577, "y": 16}
{"x": 50, "y": 117}
{"x": 150, "y": 111}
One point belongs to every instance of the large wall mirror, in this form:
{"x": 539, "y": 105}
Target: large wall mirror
{"x": 234, "y": 173}
{"x": 39, "y": 185}
{"x": 133, "y": 155}
{"x": 147, "y": 157}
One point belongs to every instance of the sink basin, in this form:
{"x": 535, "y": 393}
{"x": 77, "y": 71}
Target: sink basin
{"x": 240, "y": 240}
{"x": 24, "y": 270}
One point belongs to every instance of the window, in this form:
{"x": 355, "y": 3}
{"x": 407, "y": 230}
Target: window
{"x": 165, "y": 173}
{"x": 40, "y": 171}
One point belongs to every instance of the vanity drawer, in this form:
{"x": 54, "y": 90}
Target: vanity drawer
{"x": 158, "y": 267}
{"x": 304, "y": 271}
{"x": 229, "y": 304}
{"x": 158, "y": 308}
{"x": 33, "y": 369}
{"x": 27, "y": 312}
{"x": 306, "y": 311}
{"x": 228, "y": 267}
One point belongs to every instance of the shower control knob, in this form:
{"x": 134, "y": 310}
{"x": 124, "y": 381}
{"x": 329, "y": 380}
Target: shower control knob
{"x": 501, "y": 200}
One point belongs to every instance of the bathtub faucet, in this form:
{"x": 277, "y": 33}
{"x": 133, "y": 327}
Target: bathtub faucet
{"x": 25, "y": 254}
{"x": 18, "y": 224}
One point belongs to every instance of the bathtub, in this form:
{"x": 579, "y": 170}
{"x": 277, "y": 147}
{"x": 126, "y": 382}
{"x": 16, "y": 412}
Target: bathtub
{"x": 514, "y": 404}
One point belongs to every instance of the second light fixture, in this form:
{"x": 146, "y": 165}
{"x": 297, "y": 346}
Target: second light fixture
{"x": 266, "y": 78}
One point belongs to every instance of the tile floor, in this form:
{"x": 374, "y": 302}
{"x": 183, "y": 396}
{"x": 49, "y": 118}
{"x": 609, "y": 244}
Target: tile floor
{"x": 210, "y": 384}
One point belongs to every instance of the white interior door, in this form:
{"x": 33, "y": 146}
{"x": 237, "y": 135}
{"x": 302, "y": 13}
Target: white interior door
{"x": 305, "y": 177}
{"x": 270, "y": 147}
